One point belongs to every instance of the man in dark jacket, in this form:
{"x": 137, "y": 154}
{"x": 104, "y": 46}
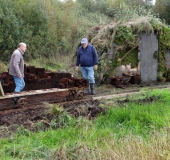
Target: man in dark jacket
{"x": 87, "y": 59}
{"x": 16, "y": 68}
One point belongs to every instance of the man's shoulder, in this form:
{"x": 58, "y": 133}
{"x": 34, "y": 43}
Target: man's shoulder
{"x": 90, "y": 46}
{"x": 17, "y": 52}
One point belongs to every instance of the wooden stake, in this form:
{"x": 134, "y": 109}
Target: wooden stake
{"x": 1, "y": 90}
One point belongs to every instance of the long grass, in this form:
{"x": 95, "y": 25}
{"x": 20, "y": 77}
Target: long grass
{"x": 139, "y": 119}
{"x": 137, "y": 131}
{"x": 51, "y": 64}
{"x": 3, "y": 67}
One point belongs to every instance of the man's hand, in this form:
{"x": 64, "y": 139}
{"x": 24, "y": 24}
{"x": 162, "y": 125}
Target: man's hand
{"x": 77, "y": 68}
{"x": 95, "y": 67}
{"x": 20, "y": 76}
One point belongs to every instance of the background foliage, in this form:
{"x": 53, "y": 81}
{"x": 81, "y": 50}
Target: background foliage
{"x": 49, "y": 28}
{"x": 52, "y": 28}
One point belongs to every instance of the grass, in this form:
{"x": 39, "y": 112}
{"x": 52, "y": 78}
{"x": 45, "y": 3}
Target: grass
{"x": 52, "y": 64}
{"x": 60, "y": 63}
{"x": 49, "y": 64}
{"x": 138, "y": 119}
{"x": 3, "y": 67}
{"x": 137, "y": 131}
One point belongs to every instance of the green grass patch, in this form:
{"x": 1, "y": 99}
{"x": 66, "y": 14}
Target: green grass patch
{"x": 3, "y": 67}
{"x": 51, "y": 64}
{"x": 138, "y": 126}
{"x": 137, "y": 119}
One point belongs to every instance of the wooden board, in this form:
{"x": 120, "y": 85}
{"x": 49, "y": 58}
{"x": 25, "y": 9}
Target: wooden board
{"x": 33, "y": 92}
{"x": 1, "y": 90}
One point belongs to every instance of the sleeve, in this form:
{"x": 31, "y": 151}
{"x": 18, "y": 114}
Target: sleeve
{"x": 78, "y": 59}
{"x": 95, "y": 56}
{"x": 16, "y": 62}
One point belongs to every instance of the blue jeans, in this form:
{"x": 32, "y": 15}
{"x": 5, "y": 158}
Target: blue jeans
{"x": 19, "y": 84}
{"x": 88, "y": 73}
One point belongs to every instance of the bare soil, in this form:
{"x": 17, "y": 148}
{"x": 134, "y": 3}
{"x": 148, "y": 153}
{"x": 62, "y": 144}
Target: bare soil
{"x": 38, "y": 117}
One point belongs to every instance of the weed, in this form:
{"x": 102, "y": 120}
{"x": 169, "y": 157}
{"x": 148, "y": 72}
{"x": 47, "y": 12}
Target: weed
{"x": 137, "y": 130}
{"x": 62, "y": 120}
{"x": 55, "y": 110}
{"x": 3, "y": 67}
{"x": 22, "y": 131}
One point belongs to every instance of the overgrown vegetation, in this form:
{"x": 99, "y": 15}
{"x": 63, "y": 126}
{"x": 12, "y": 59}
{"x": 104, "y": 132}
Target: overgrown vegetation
{"x": 3, "y": 67}
{"x": 162, "y": 9}
{"x": 50, "y": 33}
{"x": 127, "y": 130}
{"x": 119, "y": 41}
{"x": 49, "y": 28}
{"x": 52, "y": 30}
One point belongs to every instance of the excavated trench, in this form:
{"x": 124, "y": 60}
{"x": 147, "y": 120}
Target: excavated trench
{"x": 37, "y": 112}
{"x": 38, "y": 115}
{"x": 41, "y": 87}
{"x": 41, "y": 117}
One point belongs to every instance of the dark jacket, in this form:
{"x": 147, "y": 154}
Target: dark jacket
{"x": 16, "y": 67}
{"x": 87, "y": 57}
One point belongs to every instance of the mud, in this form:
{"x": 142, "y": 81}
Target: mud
{"x": 88, "y": 109}
{"x": 38, "y": 118}
{"x": 10, "y": 121}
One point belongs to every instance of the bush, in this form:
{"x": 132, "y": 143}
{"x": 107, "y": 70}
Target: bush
{"x": 44, "y": 26}
{"x": 18, "y": 26}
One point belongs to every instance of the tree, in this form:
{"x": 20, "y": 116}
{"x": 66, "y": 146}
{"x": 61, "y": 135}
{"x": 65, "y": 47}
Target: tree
{"x": 149, "y": 2}
{"x": 134, "y": 2}
{"x": 162, "y": 8}
{"x": 167, "y": 13}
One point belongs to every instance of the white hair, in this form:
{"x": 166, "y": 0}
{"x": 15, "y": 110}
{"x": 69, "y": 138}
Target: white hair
{"x": 22, "y": 44}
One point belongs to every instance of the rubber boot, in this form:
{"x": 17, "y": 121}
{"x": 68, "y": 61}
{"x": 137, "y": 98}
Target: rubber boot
{"x": 87, "y": 91}
{"x": 92, "y": 89}
{"x": 15, "y": 99}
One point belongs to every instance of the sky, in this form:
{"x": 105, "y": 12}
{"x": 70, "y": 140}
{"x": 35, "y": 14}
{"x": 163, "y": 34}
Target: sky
{"x": 154, "y": 1}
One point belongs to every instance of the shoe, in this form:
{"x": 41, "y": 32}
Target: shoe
{"x": 87, "y": 91}
{"x": 15, "y": 100}
{"x": 92, "y": 89}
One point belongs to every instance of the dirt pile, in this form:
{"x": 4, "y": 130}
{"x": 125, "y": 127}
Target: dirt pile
{"x": 125, "y": 80}
{"x": 89, "y": 109}
{"x": 41, "y": 117}
{"x": 73, "y": 82}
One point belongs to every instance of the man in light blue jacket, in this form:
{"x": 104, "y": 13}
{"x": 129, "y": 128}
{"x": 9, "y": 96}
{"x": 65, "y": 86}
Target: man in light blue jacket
{"x": 87, "y": 59}
{"x": 16, "y": 68}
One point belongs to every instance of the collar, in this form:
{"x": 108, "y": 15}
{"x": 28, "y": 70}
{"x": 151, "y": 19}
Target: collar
{"x": 22, "y": 53}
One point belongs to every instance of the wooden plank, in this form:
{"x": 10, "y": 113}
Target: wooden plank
{"x": 122, "y": 95}
{"x": 33, "y": 92}
{"x": 36, "y": 99}
{"x": 114, "y": 96}
{"x": 1, "y": 90}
